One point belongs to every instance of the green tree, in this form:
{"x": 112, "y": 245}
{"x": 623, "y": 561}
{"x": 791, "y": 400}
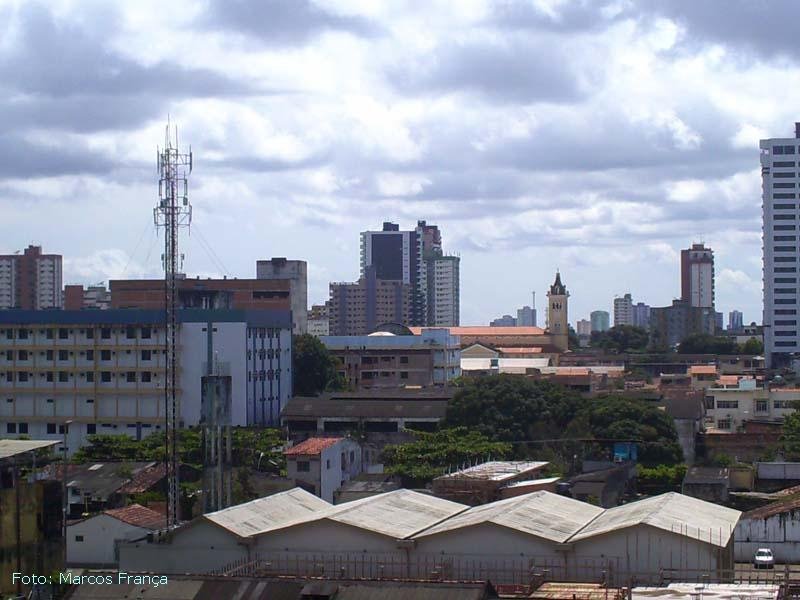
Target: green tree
{"x": 752, "y": 346}
{"x": 621, "y": 338}
{"x": 573, "y": 341}
{"x": 431, "y": 454}
{"x": 512, "y": 407}
{"x": 617, "y": 418}
{"x": 790, "y": 437}
{"x": 703, "y": 343}
{"x": 314, "y": 369}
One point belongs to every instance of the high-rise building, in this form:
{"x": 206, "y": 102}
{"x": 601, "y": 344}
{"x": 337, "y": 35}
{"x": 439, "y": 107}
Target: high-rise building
{"x": 735, "y": 321}
{"x": 31, "y": 280}
{"x": 779, "y": 197}
{"x": 600, "y": 320}
{"x": 718, "y": 321}
{"x": 358, "y": 308}
{"x": 296, "y": 272}
{"x": 641, "y": 315}
{"x": 416, "y": 259}
{"x": 670, "y": 325}
{"x": 504, "y": 321}
{"x": 623, "y": 310}
{"x": 557, "y": 314}
{"x": 697, "y": 276}
{"x": 583, "y": 327}
{"x": 526, "y": 317}
{"x": 318, "y": 319}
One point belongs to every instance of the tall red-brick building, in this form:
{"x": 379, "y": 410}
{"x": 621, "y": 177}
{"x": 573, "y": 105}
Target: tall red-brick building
{"x": 30, "y": 280}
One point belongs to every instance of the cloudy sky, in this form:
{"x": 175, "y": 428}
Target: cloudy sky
{"x": 597, "y": 137}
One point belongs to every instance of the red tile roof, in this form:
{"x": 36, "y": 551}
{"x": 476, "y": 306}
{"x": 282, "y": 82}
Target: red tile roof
{"x": 138, "y": 515}
{"x": 312, "y": 446}
{"x": 703, "y": 370}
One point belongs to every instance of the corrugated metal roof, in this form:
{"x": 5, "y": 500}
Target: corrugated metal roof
{"x": 496, "y": 470}
{"x": 399, "y": 514}
{"x": 269, "y": 513}
{"x": 682, "y": 515}
{"x": 9, "y": 448}
{"x": 400, "y": 590}
{"x": 776, "y": 508}
{"x": 541, "y": 514}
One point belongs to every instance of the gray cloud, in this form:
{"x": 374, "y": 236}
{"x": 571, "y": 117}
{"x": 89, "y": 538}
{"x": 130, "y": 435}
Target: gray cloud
{"x": 282, "y": 22}
{"x": 23, "y": 159}
{"x": 570, "y": 17}
{"x": 515, "y": 70}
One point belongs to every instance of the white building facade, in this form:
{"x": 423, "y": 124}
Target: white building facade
{"x": 779, "y": 188}
{"x": 728, "y": 407}
{"x": 104, "y": 370}
{"x": 623, "y": 310}
{"x": 323, "y": 465}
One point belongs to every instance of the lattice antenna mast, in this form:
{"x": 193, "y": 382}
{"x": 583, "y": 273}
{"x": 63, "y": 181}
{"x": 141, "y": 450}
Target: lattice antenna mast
{"x": 172, "y": 212}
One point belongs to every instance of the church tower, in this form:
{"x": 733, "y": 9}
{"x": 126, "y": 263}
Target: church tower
{"x": 557, "y": 320}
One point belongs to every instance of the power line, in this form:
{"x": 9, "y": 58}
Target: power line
{"x": 210, "y": 250}
{"x": 130, "y": 256}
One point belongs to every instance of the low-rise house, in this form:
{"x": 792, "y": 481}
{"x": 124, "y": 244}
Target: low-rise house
{"x": 775, "y": 526}
{"x": 94, "y": 541}
{"x": 728, "y": 407}
{"x": 707, "y": 483}
{"x": 702, "y": 376}
{"x": 322, "y": 465}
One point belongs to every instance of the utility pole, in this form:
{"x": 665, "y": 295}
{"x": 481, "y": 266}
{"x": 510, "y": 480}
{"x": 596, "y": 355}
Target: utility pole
{"x": 65, "y": 507}
{"x": 172, "y": 212}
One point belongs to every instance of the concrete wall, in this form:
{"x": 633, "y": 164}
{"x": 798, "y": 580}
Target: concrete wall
{"x": 100, "y": 535}
{"x": 780, "y": 533}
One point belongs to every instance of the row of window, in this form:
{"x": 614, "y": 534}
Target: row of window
{"x": 262, "y": 332}
{"x": 64, "y": 333}
{"x": 783, "y": 149}
{"x": 760, "y": 405}
{"x": 105, "y": 355}
{"x": 65, "y": 376}
{"x": 262, "y": 354}
{"x": 263, "y": 375}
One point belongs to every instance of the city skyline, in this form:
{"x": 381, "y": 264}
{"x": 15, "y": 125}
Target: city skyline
{"x": 484, "y": 141}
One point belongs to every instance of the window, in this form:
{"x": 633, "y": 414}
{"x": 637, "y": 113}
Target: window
{"x": 784, "y": 217}
{"x": 403, "y": 360}
{"x": 22, "y": 376}
{"x": 724, "y": 424}
{"x": 785, "y": 249}
{"x": 788, "y": 149}
{"x": 90, "y": 334}
{"x": 785, "y": 270}
{"x": 23, "y": 355}
{"x": 48, "y": 334}
{"x": 105, "y": 333}
{"x": 783, "y": 185}
{"x": 9, "y": 355}
{"x": 23, "y": 334}
{"x": 786, "y": 280}
{"x": 61, "y": 429}
{"x": 63, "y": 376}
{"x": 105, "y": 376}
{"x": 89, "y": 376}
{"x": 11, "y": 428}
{"x": 51, "y": 428}
{"x": 23, "y": 428}
{"x": 91, "y": 429}
{"x": 777, "y": 150}
{"x": 90, "y": 401}
{"x": 785, "y": 333}
{"x": 63, "y": 334}
{"x": 49, "y": 376}
{"x": 403, "y": 374}
{"x": 146, "y": 333}
{"x": 90, "y": 355}
{"x": 105, "y": 354}
{"x": 146, "y": 377}
{"x": 130, "y": 333}
{"x": 783, "y": 163}
{"x": 783, "y": 174}
{"x": 783, "y": 195}
{"x": 131, "y": 376}
{"x": 761, "y": 406}
{"x": 50, "y": 400}
{"x": 78, "y": 538}
{"x": 786, "y": 344}
{"x": 328, "y": 463}
{"x": 785, "y": 259}
{"x": 785, "y": 238}
{"x": 727, "y": 404}
{"x": 146, "y": 355}
{"x": 785, "y": 311}
{"x": 784, "y": 227}
{"x": 63, "y": 355}
{"x": 303, "y": 466}
{"x": 782, "y": 403}
{"x": 785, "y": 291}
{"x": 784, "y": 206}
{"x": 10, "y": 376}
{"x": 49, "y": 355}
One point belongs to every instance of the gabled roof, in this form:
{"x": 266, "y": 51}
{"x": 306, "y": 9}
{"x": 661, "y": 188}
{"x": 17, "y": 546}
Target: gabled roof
{"x": 9, "y": 448}
{"x": 139, "y": 516}
{"x": 312, "y": 446}
{"x": 269, "y": 513}
{"x": 679, "y": 514}
{"x": 399, "y": 514}
{"x": 541, "y": 514}
{"x": 775, "y": 508}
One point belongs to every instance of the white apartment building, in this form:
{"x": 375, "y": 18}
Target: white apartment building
{"x": 444, "y": 293}
{"x": 623, "y": 310}
{"x": 729, "y": 406}
{"x": 779, "y": 170}
{"x": 296, "y": 271}
{"x": 102, "y": 371}
{"x": 697, "y": 276}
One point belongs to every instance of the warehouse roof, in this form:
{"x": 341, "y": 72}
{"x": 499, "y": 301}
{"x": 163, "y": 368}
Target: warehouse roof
{"x": 673, "y": 512}
{"x": 269, "y": 513}
{"x": 9, "y": 448}
{"x": 138, "y": 516}
{"x": 399, "y": 514}
{"x": 430, "y": 408}
{"x": 541, "y": 514}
